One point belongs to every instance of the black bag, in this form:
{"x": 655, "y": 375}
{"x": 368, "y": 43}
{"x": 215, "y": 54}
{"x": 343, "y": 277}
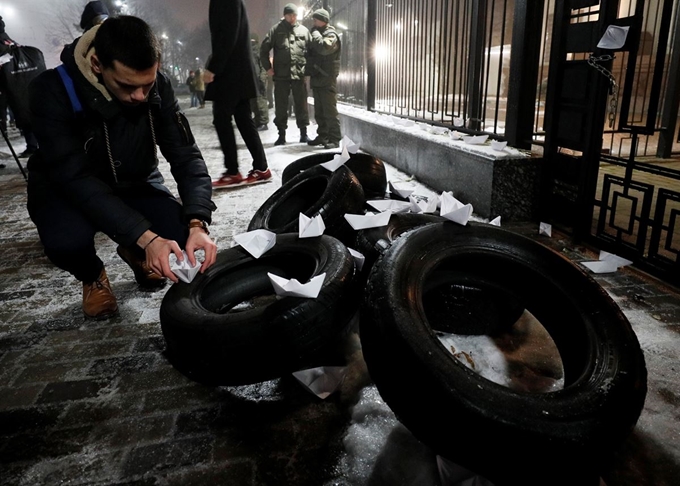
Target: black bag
{"x": 26, "y": 64}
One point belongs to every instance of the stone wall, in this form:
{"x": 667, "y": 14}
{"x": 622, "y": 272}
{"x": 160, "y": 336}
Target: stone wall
{"x": 496, "y": 183}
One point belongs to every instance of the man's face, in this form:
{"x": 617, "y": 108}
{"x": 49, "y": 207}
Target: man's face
{"x": 130, "y": 86}
{"x": 291, "y": 18}
{"x": 319, "y": 24}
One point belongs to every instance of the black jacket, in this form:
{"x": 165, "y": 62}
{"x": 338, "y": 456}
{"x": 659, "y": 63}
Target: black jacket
{"x": 73, "y": 161}
{"x": 232, "y": 58}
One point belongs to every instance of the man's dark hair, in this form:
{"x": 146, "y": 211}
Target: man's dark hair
{"x": 128, "y": 40}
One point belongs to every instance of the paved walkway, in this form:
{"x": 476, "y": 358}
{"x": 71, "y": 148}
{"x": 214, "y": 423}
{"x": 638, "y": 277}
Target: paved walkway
{"x": 85, "y": 402}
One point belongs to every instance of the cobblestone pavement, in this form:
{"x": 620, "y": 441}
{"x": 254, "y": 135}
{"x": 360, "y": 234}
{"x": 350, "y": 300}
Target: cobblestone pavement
{"x": 85, "y": 402}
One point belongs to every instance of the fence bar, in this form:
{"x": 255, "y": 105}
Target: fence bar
{"x": 526, "y": 52}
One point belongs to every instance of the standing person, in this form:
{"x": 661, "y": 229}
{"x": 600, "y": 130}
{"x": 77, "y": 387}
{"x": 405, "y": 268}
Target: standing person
{"x": 94, "y": 13}
{"x": 323, "y": 67}
{"x": 191, "y": 80}
{"x": 15, "y": 75}
{"x": 230, "y": 75}
{"x": 99, "y": 121}
{"x": 289, "y": 41}
{"x": 199, "y": 87}
{"x": 258, "y": 105}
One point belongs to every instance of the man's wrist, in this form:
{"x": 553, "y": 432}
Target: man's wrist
{"x": 199, "y": 223}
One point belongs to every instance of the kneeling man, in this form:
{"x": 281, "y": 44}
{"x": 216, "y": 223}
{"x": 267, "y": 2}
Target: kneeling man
{"x": 100, "y": 119}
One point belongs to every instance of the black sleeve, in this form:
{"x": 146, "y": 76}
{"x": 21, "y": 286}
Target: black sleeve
{"x": 179, "y": 148}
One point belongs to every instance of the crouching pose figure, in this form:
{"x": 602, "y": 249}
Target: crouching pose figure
{"x": 99, "y": 119}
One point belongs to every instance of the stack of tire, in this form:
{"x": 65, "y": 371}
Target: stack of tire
{"x": 423, "y": 275}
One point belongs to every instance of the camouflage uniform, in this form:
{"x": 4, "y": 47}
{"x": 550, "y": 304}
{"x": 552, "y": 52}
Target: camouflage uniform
{"x": 289, "y": 43}
{"x": 258, "y": 105}
{"x": 323, "y": 67}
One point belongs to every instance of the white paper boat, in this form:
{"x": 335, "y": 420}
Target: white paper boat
{"x": 183, "y": 269}
{"x": 369, "y": 220}
{"x": 424, "y": 206}
{"x": 390, "y": 205}
{"x": 496, "y": 221}
{"x": 498, "y": 145}
{"x": 311, "y": 227}
{"x": 600, "y": 267}
{"x": 617, "y": 260}
{"x": 338, "y": 161}
{"x": 293, "y": 288}
{"x": 476, "y": 139}
{"x": 256, "y": 242}
{"x": 454, "y": 135}
{"x": 402, "y": 189}
{"x": 454, "y": 210}
{"x": 347, "y": 143}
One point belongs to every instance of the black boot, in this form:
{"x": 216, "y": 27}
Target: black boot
{"x": 282, "y": 138}
{"x": 303, "y": 135}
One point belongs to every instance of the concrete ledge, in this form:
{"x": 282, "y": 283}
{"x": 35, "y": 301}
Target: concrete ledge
{"x": 495, "y": 183}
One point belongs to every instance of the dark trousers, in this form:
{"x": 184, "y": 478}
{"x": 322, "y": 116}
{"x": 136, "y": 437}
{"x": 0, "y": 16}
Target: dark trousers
{"x": 326, "y": 113}
{"x": 31, "y": 141}
{"x": 222, "y": 114}
{"x": 68, "y": 236}
{"x": 281, "y": 91}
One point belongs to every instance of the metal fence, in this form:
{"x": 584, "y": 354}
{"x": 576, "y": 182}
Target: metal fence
{"x": 445, "y": 62}
{"x": 440, "y": 61}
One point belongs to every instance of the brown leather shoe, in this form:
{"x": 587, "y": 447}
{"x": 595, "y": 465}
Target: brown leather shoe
{"x": 146, "y": 278}
{"x": 98, "y": 299}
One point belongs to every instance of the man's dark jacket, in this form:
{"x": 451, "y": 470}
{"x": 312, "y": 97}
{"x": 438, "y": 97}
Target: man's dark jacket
{"x": 73, "y": 162}
{"x": 232, "y": 58}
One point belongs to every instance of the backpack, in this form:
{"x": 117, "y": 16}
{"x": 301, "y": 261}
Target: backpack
{"x": 26, "y": 64}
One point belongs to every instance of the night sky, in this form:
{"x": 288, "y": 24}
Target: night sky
{"x": 27, "y": 20}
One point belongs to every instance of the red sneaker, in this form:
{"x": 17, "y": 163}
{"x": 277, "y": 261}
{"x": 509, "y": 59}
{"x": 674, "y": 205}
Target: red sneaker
{"x": 257, "y": 176}
{"x": 227, "y": 180}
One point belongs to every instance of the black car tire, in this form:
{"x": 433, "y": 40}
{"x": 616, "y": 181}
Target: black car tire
{"x": 509, "y": 437}
{"x": 369, "y": 170}
{"x": 228, "y": 328}
{"x": 313, "y": 192}
{"x": 474, "y": 311}
{"x": 373, "y": 242}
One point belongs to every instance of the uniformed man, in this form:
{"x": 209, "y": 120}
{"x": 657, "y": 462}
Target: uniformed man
{"x": 323, "y": 67}
{"x": 258, "y": 105}
{"x": 288, "y": 39}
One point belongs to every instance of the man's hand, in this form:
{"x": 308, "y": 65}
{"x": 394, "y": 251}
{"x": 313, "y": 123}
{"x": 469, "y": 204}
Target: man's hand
{"x": 158, "y": 251}
{"x": 198, "y": 239}
{"x": 208, "y": 76}
{"x": 270, "y": 71}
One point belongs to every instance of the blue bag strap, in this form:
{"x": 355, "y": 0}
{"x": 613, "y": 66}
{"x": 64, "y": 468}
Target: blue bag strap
{"x": 70, "y": 89}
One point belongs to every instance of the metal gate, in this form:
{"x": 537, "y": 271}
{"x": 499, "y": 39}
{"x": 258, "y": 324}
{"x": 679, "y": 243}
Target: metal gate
{"x": 630, "y": 207}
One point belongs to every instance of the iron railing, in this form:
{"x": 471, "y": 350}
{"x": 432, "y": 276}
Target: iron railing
{"x": 447, "y": 61}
